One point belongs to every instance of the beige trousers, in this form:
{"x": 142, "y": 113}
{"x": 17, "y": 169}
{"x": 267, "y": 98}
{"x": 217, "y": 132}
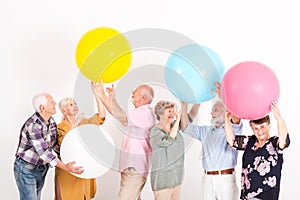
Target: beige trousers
{"x": 132, "y": 184}
{"x": 168, "y": 194}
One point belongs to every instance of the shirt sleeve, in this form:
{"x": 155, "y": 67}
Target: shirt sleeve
{"x": 276, "y": 144}
{"x": 195, "y": 131}
{"x": 240, "y": 142}
{"x": 237, "y": 128}
{"x": 42, "y": 148}
{"x": 95, "y": 119}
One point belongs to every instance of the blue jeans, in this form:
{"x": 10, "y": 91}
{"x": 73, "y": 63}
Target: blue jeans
{"x": 30, "y": 179}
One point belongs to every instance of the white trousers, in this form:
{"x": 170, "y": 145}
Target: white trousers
{"x": 220, "y": 187}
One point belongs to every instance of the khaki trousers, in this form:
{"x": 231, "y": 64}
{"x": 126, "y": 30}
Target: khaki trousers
{"x": 132, "y": 184}
{"x": 168, "y": 194}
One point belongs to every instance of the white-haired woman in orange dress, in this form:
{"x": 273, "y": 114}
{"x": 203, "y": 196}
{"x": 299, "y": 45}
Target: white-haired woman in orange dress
{"x": 68, "y": 186}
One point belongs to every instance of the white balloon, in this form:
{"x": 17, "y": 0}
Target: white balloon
{"x": 90, "y": 147}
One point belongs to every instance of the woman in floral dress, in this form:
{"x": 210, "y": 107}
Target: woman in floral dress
{"x": 263, "y": 156}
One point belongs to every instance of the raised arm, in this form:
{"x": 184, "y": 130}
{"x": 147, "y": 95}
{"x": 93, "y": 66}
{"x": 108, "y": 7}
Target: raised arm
{"x": 184, "y": 121}
{"x": 174, "y": 129}
{"x": 111, "y": 104}
{"x": 281, "y": 126}
{"x": 194, "y": 111}
{"x": 96, "y": 90}
{"x": 228, "y": 129}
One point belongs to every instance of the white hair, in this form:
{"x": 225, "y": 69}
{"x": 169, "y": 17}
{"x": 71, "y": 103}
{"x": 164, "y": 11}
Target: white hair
{"x": 149, "y": 97}
{"x": 39, "y": 100}
{"x": 221, "y": 118}
{"x": 64, "y": 103}
{"x": 148, "y": 91}
{"x": 219, "y": 102}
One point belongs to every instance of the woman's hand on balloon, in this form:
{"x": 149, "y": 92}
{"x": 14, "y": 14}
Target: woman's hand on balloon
{"x": 96, "y": 88}
{"x": 275, "y": 110}
{"x": 235, "y": 119}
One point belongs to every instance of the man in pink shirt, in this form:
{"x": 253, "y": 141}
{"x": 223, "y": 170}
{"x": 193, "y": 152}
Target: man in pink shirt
{"x": 135, "y": 155}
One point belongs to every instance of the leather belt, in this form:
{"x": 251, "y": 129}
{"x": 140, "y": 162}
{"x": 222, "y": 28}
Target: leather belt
{"x": 219, "y": 172}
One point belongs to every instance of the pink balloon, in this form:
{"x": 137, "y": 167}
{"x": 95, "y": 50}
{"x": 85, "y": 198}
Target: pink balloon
{"x": 248, "y": 90}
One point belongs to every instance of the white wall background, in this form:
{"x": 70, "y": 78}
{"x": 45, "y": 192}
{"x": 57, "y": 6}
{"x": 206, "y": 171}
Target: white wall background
{"x": 37, "y": 51}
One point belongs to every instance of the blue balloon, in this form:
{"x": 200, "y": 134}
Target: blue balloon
{"x": 191, "y": 73}
{"x": 218, "y": 63}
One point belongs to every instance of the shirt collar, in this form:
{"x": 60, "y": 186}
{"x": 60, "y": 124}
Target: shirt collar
{"x": 39, "y": 117}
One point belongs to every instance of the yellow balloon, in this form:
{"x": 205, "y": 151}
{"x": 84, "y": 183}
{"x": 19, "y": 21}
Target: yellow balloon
{"x": 103, "y": 54}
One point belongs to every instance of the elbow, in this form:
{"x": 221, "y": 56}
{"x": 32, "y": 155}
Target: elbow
{"x": 183, "y": 126}
{"x": 282, "y": 145}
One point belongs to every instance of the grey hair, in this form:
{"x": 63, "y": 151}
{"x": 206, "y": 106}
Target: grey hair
{"x": 161, "y": 106}
{"x": 148, "y": 91}
{"x": 39, "y": 100}
{"x": 63, "y": 103}
{"x": 219, "y": 102}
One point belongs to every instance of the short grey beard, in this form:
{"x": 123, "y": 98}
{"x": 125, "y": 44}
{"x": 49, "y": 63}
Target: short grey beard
{"x": 217, "y": 121}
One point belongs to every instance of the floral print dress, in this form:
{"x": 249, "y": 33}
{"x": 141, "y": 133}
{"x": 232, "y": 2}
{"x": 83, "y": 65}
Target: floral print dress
{"x": 261, "y": 168}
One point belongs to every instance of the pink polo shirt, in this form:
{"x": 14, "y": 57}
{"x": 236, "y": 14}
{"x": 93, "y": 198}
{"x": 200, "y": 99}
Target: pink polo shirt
{"x": 136, "y": 148}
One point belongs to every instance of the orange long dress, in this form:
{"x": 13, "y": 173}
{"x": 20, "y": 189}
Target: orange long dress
{"x": 67, "y": 186}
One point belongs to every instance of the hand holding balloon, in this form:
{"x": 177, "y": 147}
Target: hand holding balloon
{"x": 75, "y": 169}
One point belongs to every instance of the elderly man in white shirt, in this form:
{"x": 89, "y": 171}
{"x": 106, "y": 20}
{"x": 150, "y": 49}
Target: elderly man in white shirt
{"x": 218, "y": 158}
